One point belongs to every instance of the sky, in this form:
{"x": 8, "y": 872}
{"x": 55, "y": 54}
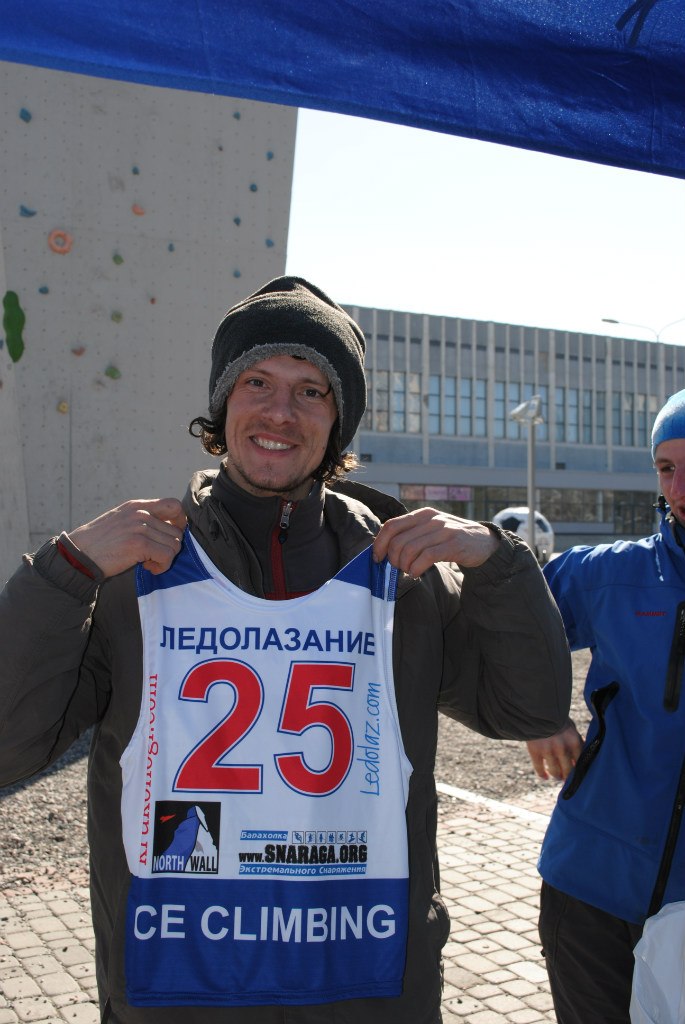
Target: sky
{"x": 400, "y": 218}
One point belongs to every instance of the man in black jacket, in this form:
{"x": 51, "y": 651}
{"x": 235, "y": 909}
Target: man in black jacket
{"x": 144, "y": 628}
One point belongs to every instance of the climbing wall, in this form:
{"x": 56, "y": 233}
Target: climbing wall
{"x": 130, "y": 219}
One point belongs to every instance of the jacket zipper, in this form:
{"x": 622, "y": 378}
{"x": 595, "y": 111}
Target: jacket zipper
{"x": 676, "y": 662}
{"x": 674, "y": 676}
{"x": 600, "y": 700}
{"x": 278, "y": 539}
{"x": 669, "y": 846}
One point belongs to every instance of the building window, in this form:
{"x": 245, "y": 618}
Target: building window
{"x": 514, "y": 399}
{"x": 449, "y": 416}
{"x": 542, "y": 429}
{"x": 601, "y": 417}
{"x": 616, "y": 418}
{"x": 628, "y": 431}
{"x": 587, "y": 416}
{"x": 465, "y": 408}
{"x": 398, "y": 403}
{"x": 559, "y": 414}
{"x": 414, "y": 404}
{"x": 480, "y": 417}
{"x": 641, "y": 420}
{"x": 499, "y": 410}
{"x": 442, "y": 404}
{"x": 572, "y": 415}
{"x": 434, "y": 404}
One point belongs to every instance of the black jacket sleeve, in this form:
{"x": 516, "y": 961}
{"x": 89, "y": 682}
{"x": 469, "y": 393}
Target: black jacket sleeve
{"x": 507, "y": 669}
{"x": 45, "y": 618}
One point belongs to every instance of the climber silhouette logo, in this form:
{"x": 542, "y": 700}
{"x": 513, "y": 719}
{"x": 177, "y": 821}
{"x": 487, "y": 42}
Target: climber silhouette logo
{"x": 186, "y": 838}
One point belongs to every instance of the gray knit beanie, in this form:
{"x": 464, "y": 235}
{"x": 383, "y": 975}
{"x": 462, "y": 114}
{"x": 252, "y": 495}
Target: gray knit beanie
{"x": 290, "y": 316}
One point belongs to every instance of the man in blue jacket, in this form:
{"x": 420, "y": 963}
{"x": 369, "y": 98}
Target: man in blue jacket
{"x": 614, "y": 851}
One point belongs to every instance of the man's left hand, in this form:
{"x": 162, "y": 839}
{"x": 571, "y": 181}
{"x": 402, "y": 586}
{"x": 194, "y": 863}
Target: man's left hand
{"x": 416, "y": 541}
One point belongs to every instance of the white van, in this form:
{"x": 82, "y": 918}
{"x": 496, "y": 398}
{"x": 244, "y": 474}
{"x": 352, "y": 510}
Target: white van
{"x": 516, "y": 521}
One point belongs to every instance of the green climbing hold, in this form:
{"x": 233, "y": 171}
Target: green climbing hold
{"x": 118, "y": 259}
{"x": 117, "y": 317}
{"x": 112, "y": 373}
{"x": 13, "y": 322}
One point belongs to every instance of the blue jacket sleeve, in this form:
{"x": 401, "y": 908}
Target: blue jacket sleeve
{"x": 566, "y": 577}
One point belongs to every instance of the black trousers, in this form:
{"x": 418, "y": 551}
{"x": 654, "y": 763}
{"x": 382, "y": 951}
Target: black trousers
{"x": 589, "y": 956}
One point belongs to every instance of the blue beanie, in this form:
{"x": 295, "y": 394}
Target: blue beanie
{"x": 670, "y": 421}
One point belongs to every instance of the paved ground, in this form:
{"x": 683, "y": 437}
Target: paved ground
{"x": 494, "y": 971}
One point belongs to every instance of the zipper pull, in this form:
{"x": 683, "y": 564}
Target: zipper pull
{"x": 675, "y": 662}
{"x": 284, "y": 524}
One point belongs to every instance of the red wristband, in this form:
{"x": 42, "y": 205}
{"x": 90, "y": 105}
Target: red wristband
{"x": 65, "y": 553}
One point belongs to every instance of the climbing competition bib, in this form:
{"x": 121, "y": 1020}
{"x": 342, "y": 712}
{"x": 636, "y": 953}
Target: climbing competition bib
{"x": 264, "y": 793}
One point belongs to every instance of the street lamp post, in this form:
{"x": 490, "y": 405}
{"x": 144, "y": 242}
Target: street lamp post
{"x": 529, "y": 413}
{"x": 643, "y": 327}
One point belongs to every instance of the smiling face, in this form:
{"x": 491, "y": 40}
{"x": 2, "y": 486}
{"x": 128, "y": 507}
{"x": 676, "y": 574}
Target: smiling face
{"x": 669, "y": 460}
{"x": 279, "y": 417}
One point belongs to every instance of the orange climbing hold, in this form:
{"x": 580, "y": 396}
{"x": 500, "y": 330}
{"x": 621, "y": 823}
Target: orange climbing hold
{"x": 138, "y": 210}
{"x": 60, "y": 241}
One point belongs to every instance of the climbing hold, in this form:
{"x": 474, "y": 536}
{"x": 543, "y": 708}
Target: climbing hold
{"x": 112, "y": 373}
{"x": 135, "y": 169}
{"x": 236, "y": 273}
{"x": 60, "y": 241}
{"x": 269, "y": 155}
{"x": 118, "y": 259}
{"x": 44, "y": 290}
{"x": 220, "y": 148}
{"x": 25, "y": 211}
{"x": 25, "y": 115}
{"x": 171, "y": 247}
{"x": 13, "y": 322}
{"x": 152, "y": 300}
{"x": 236, "y": 220}
{"x": 63, "y": 407}
{"x": 116, "y": 316}
{"x": 236, "y": 115}
{"x": 269, "y": 243}
{"x": 253, "y": 187}
{"x": 138, "y": 210}
{"x": 78, "y": 350}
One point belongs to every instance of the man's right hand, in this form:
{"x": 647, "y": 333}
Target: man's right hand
{"x": 556, "y": 755}
{"x": 147, "y": 531}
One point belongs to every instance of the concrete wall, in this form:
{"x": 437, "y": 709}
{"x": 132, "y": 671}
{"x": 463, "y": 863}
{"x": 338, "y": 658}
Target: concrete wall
{"x": 131, "y": 218}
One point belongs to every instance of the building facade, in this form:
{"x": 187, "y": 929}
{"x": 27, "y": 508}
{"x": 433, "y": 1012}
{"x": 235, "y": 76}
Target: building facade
{"x": 438, "y": 429}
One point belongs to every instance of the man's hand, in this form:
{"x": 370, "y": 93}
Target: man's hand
{"x": 147, "y": 531}
{"x": 555, "y": 756}
{"x": 419, "y": 539}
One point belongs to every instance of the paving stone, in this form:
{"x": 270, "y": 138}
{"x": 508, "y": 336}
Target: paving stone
{"x": 494, "y": 973}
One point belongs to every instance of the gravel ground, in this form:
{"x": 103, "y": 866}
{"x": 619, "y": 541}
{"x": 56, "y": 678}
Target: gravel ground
{"x": 43, "y": 837}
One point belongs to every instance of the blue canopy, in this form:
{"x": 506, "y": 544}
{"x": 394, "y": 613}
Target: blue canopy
{"x": 598, "y": 80}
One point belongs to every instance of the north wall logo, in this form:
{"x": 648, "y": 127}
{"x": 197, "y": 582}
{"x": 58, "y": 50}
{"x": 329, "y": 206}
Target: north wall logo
{"x": 186, "y": 838}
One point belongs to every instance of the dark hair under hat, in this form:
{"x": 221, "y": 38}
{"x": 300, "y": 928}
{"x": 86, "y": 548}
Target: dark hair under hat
{"x": 290, "y": 316}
